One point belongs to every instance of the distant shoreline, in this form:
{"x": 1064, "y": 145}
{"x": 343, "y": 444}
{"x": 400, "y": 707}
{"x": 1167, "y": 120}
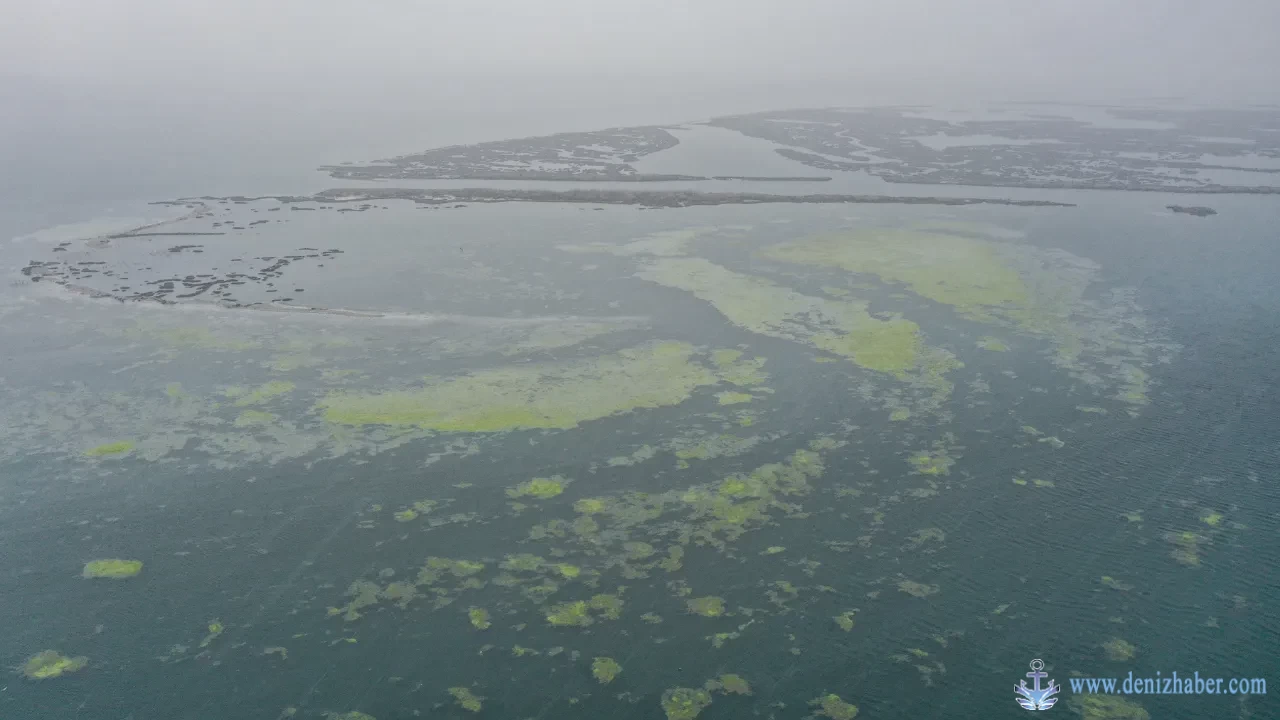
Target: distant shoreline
{"x": 645, "y": 198}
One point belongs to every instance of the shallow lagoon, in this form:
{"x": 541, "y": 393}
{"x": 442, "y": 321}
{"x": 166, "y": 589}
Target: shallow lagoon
{"x": 893, "y": 519}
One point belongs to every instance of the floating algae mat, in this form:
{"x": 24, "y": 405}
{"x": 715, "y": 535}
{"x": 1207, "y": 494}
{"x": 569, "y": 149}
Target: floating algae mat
{"x": 551, "y": 395}
{"x": 748, "y": 459}
{"x": 1042, "y": 293}
{"x": 756, "y": 304}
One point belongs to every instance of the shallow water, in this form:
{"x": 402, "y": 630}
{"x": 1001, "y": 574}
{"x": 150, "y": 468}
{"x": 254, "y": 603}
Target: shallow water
{"x": 960, "y": 502}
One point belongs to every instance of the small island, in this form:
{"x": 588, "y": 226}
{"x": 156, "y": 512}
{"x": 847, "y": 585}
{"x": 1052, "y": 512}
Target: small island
{"x": 1197, "y": 210}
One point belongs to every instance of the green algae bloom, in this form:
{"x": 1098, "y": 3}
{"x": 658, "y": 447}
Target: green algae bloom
{"x": 1108, "y": 707}
{"x": 406, "y": 515}
{"x": 466, "y": 699}
{"x": 523, "y": 562}
{"x": 540, "y": 488}
{"x": 113, "y": 568}
{"x": 1186, "y": 550}
{"x": 758, "y": 305}
{"x": 1114, "y": 584}
{"x": 1118, "y": 650}
{"x": 935, "y": 463}
{"x": 553, "y": 395}
{"x": 833, "y": 707}
{"x": 479, "y": 618}
{"x": 915, "y": 589}
{"x": 735, "y": 684}
{"x": 569, "y": 614}
{"x": 456, "y": 568}
{"x": 605, "y": 669}
{"x": 992, "y": 344}
{"x": 115, "y": 448}
{"x": 709, "y": 606}
{"x": 251, "y": 418}
{"x": 51, "y": 664}
{"x": 735, "y": 371}
{"x": 608, "y": 605}
{"x": 216, "y": 628}
{"x": 568, "y": 571}
{"x": 845, "y": 620}
{"x": 734, "y": 398}
{"x": 1212, "y": 519}
{"x": 263, "y": 393}
{"x": 684, "y": 703}
{"x": 353, "y": 715}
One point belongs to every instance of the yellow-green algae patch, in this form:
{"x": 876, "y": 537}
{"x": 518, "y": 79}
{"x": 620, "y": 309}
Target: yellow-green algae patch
{"x": 734, "y": 398}
{"x": 249, "y": 418}
{"x": 684, "y": 703}
{"x": 917, "y": 589}
{"x": 992, "y": 344}
{"x": 540, "y": 488}
{"x": 605, "y": 669}
{"x": 51, "y": 664}
{"x": 709, "y": 606}
{"x": 216, "y": 628}
{"x": 736, "y": 371}
{"x": 353, "y": 715}
{"x": 753, "y": 303}
{"x": 113, "y": 568}
{"x": 965, "y": 273}
{"x": 115, "y": 448}
{"x": 833, "y": 707}
{"x": 569, "y": 614}
{"x": 466, "y": 699}
{"x": 479, "y": 618}
{"x": 735, "y": 684}
{"x": 551, "y": 395}
{"x": 845, "y": 620}
{"x": 1118, "y": 649}
{"x": 1108, "y": 707}
{"x": 1039, "y": 292}
{"x": 264, "y": 392}
{"x": 1186, "y": 548}
{"x": 608, "y": 605}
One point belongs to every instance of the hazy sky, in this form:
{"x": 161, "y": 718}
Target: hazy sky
{"x": 1084, "y": 47}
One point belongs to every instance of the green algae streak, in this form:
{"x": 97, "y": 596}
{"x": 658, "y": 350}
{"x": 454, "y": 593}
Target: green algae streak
{"x": 50, "y": 664}
{"x": 115, "y": 448}
{"x": 552, "y": 395}
{"x": 113, "y": 568}
{"x": 753, "y": 303}
{"x": 965, "y": 273}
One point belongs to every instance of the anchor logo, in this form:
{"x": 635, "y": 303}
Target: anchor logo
{"x": 1037, "y": 698}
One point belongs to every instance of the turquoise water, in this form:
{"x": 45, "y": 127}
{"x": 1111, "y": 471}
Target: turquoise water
{"x": 256, "y": 514}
